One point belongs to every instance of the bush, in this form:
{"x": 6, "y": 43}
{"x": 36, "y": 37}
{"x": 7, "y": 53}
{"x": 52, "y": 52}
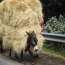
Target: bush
{"x": 55, "y": 25}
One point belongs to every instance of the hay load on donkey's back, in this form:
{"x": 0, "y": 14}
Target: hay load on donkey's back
{"x": 17, "y": 17}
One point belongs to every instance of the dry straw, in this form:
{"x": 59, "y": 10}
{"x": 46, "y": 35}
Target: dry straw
{"x": 17, "y": 17}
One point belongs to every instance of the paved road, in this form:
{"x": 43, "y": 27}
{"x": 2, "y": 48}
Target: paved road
{"x": 4, "y": 60}
{"x": 7, "y": 61}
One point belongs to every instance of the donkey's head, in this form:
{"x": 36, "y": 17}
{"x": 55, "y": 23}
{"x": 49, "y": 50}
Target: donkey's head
{"x": 32, "y": 43}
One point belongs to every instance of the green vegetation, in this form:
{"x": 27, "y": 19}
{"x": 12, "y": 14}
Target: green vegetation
{"x": 56, "y": 25}
{"x": 54, "y": 48}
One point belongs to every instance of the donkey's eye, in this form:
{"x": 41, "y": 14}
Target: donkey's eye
{"x": 33, "y": 43}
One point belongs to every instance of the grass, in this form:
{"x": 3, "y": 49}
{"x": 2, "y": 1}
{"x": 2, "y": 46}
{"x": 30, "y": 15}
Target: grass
{"x": 54, "y": 50}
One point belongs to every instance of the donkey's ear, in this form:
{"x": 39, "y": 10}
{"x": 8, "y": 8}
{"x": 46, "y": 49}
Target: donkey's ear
{"x": 27, "y": 33}
{"x": 33, "y": 31}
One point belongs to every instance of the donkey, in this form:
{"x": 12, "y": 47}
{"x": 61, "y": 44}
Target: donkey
{"x": 31, "y": 46}
{"x": 32, "y": 43}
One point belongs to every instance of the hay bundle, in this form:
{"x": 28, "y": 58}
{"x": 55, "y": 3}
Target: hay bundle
{"x": 17, "y": 17}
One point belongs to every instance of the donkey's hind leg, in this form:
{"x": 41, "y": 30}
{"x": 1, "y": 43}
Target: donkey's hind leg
{"x": 1, "y": 47}
{"x": 21, "y": 54}
{"x": 10, "y": 52}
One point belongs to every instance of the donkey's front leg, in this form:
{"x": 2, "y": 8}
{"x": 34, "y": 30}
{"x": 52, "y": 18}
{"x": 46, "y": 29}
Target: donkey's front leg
{"x": 10, "y": 52}
{"x": 1, "y": 48}
{"x": 30, "y": 53}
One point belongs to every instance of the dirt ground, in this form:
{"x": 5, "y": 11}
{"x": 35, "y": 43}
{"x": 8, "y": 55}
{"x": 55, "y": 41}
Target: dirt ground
{"x": 44, "y": 59}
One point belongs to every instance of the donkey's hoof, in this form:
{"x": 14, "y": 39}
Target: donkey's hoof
{"x": 36, "y": 56}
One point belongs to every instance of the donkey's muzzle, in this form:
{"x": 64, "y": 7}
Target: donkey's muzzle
{"x": 36, "y": 48}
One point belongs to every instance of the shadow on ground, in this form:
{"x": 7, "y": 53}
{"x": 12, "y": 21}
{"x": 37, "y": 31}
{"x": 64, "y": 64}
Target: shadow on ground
{"x": 43, "y": 59}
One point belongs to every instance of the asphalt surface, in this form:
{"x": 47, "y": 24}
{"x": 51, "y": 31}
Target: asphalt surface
{"x": 7, "y": 61}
